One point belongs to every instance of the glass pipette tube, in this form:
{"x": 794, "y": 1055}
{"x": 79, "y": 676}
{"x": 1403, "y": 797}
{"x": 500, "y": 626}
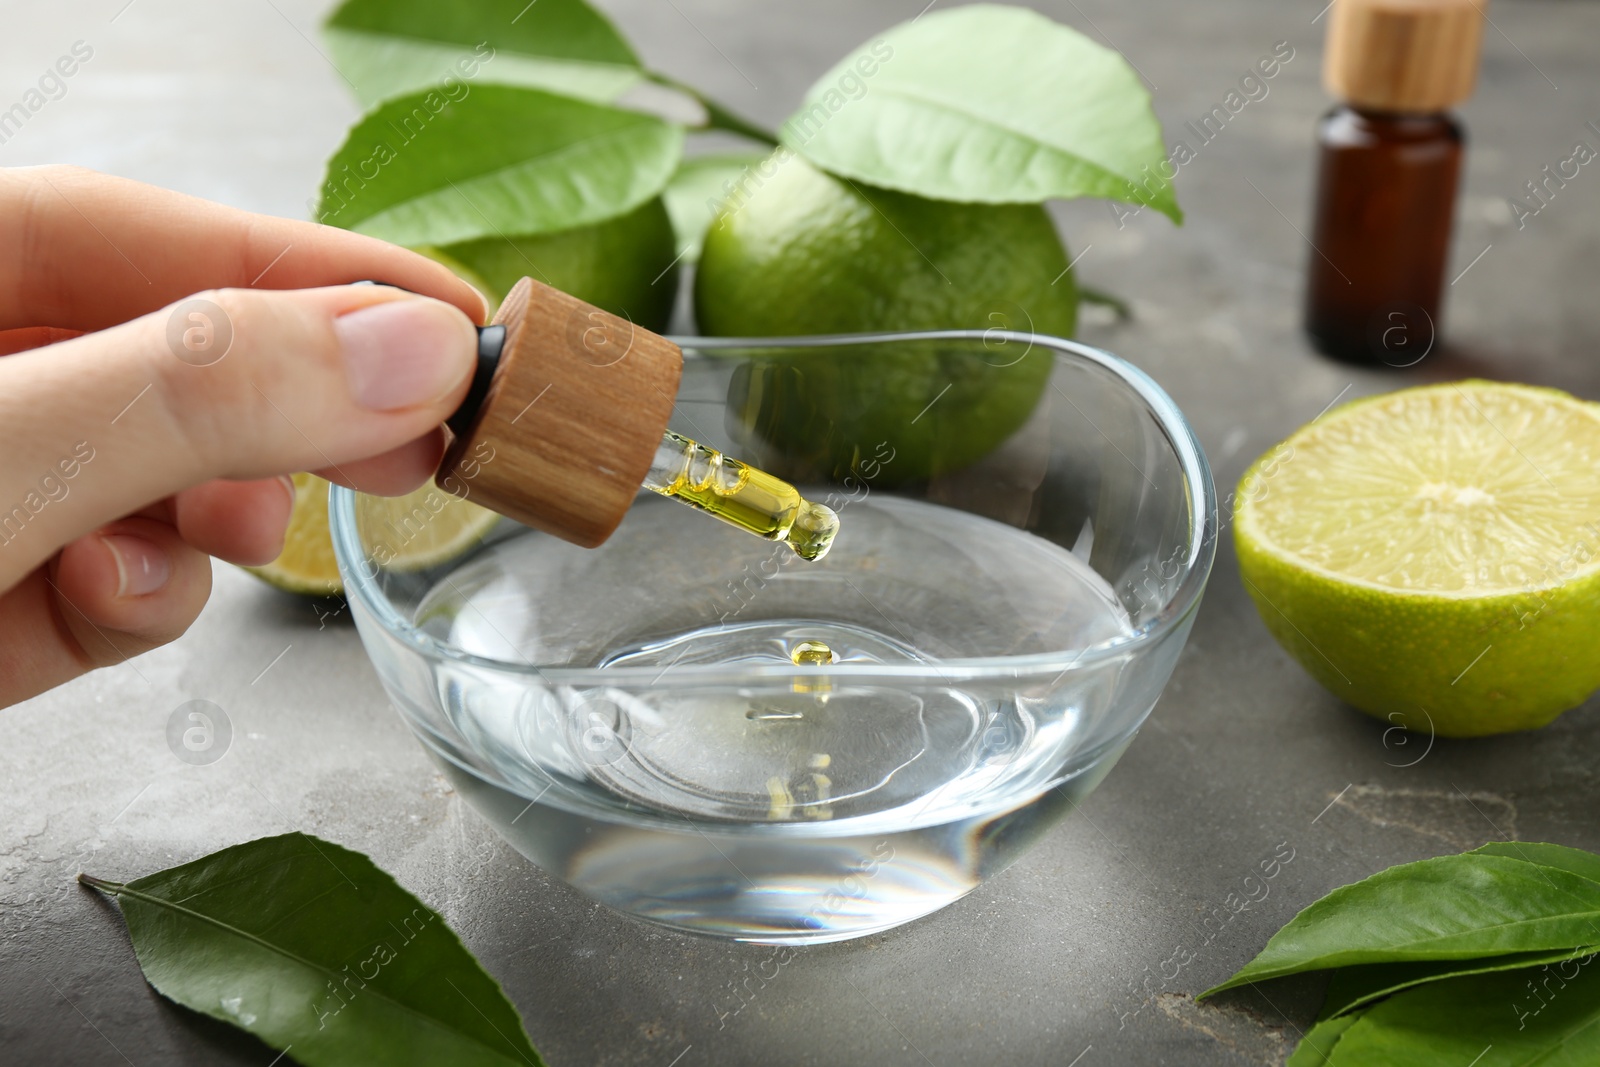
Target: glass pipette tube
{"x": 741, "y": 495}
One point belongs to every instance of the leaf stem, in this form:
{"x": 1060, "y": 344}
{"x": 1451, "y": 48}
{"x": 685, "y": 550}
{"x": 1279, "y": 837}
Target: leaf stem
{"x": 717, "y": 116}
{"x": 101, "y": 884}
{"x": 1118, "y": 305}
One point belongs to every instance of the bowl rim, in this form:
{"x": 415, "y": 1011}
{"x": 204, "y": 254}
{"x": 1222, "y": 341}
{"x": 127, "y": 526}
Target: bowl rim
{"x": 361, "y": 586}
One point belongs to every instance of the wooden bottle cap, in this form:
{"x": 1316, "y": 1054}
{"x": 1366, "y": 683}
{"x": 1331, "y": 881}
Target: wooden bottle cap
{"x": 1403, "y": 55}
{"x": 561, "y": 425}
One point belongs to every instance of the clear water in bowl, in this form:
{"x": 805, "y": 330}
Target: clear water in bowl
{"x": 802, "y": 802}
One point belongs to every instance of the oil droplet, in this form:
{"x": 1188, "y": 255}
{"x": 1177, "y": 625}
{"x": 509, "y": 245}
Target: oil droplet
{"x": 813, "y": 530}
{"x": 812, "y": 654}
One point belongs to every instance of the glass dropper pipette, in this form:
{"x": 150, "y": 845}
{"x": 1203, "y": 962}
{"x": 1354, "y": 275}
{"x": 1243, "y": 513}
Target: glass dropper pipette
{"x": 741, "y": 495}
{"x": 564, "y": 463}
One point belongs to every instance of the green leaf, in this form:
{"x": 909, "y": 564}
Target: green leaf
{"x": 313, "y": 949}
{"x": 1355, "y": 987}
{"x": 1491, "y": 1020}
{"x": 1573, "y": 860}
{"x": 697, "y": 191}
{"x": 1449, "y": 908}
{"x": 424, "y": 169}
{"x": 386, "y": 48}
{"x": 991, "y": 104}
{"x": 1319, "y": 1042}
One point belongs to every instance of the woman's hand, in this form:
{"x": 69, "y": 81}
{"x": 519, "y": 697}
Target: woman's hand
{"x": 192, "y": 356}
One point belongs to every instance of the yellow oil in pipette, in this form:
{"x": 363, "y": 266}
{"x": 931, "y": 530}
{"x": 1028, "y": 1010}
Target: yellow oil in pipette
{"x": 741, "y": 495}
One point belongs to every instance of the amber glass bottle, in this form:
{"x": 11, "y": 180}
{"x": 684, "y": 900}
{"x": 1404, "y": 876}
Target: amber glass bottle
{"x": 1389, "y": 163}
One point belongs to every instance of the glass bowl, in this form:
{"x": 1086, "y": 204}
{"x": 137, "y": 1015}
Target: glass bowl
{"x": 695, "y": 727}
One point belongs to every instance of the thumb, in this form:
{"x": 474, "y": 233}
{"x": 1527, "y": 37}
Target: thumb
{"x": 239, "y": 384}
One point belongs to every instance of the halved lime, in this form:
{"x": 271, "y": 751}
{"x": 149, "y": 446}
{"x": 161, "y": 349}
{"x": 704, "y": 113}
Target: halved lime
{"x": 1432, "y": 556}
{"x": 421, "y": 529}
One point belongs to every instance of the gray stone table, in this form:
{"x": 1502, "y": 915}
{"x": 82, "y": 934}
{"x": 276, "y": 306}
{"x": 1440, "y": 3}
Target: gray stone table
{"x": 1058, "y": 961}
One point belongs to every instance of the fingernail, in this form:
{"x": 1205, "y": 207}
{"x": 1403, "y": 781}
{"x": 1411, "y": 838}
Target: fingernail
{"x": 142, "y": 568}
{"x": 403, "y": 353}
{"x": 488, "y": 305}
{"x": 288, "y": 487}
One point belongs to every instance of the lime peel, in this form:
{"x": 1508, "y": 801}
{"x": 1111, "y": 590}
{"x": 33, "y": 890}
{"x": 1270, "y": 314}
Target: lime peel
{"x": 1434, "y": 554}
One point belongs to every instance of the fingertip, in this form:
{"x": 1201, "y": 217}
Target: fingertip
{"x": 395, "y": 472}
{"x": 242, "y": 522}
{"x": 445, "y": 285}
{"x": 130, "y": 586}
{"x": 141, "y": 566}
{"x": 476, "y": 305}
{"x": 480, "y": 314}
{"x": 404, "y": 354}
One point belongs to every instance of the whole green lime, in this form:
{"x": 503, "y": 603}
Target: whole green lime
{"x": 797, "y": 251}
{"x": 625, "y": 265}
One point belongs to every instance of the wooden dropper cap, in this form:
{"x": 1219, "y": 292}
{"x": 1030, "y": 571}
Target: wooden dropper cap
{"x": 564, "y": 414}
{"x": 1403, "y": 55}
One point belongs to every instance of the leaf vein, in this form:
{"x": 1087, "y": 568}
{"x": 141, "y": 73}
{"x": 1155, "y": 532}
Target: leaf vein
{"x": 1103, "y": 170}
{"x": 245, "y": 935}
